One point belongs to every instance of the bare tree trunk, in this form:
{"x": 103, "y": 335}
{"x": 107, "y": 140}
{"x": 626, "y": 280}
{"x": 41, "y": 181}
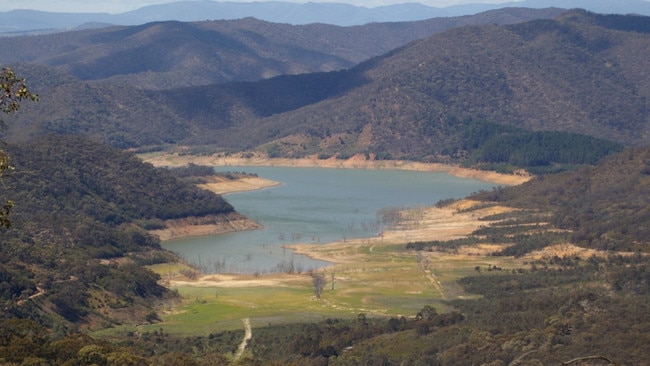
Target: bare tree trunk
{"x": 318, "y": 279}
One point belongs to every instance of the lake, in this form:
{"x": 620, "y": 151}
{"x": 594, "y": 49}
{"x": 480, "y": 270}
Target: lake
{"x": 313, "y": 205}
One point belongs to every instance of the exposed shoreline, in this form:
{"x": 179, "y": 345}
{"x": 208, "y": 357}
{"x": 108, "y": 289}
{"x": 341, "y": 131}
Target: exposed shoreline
{"x": 423, "y": 224}
{"x": 355, "y": 162}
{"x": 245, "y": 184}
{"x": 194, "y": 227}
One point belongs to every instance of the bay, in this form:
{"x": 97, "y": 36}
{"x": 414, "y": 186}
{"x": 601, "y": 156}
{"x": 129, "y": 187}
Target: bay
{"x": 313, "y": 205}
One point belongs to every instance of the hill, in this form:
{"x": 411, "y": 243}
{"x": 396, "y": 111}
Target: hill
{"x": 74, "y": 255}
{"x": 29, "y": 21}
{"x": 433, "y": 99}
{"x": 172, "y": 54}
{"x": 563, "y": 74}
{"x": 553, "y": 91}
{"x": 604, "y": 207}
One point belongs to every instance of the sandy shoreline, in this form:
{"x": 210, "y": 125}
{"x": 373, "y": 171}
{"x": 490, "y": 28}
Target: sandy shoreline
{"x": 192, "y": 227}
{"x": 356, "y": 162}
{"x": 424, "y": 224}
{"x": 225, "y": 186}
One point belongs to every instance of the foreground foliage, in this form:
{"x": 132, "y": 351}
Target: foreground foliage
{"x": 595, "y": 310}
{"x": 13, "y": 91}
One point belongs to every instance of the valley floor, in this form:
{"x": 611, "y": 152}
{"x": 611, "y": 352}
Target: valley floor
{"x": 375, "y": 276}
{"x": 370, "y": 275}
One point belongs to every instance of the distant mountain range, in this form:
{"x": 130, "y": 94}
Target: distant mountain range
{"x": 466, "y": 93}
{"x": 172, "y": 54}
{"x": 28, "y": 21}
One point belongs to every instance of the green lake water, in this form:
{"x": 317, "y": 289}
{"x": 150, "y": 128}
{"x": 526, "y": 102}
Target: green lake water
{"x": 313, "y": 205}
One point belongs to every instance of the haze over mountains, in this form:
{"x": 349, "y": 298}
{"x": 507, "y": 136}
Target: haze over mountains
{"x": 18, "y": 21}
{"x": 580, "y": 73}
{"x": 202, "y": 53}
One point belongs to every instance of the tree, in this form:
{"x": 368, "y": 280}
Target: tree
{"x": 318, "y": 279}
{"x": 361, "y": 318}
{"x": 427, "y": 313}
{"x": 13, "y": 91}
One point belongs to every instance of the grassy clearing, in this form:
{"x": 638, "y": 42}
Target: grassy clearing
{"x": 383, "y": 280}
{"x": 209, "y": 310}
{"x": 375, "y": 286}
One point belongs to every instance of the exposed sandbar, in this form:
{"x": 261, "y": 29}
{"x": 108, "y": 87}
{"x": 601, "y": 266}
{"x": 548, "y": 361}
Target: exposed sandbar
{"x": 220, "y": 185}
{"x": 204, "y": 226}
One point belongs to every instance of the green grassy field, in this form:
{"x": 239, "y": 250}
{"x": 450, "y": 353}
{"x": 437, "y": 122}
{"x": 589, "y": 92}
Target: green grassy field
{"x": 387, "y": 281}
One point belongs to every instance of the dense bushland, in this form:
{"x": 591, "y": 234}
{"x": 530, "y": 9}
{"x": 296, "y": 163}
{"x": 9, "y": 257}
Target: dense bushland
{"x": 604, "y": 207}
{"x": 74, "y": 252}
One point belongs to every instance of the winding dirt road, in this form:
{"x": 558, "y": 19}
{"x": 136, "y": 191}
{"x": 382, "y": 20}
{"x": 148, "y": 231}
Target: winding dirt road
{"x": 247, "y": 335}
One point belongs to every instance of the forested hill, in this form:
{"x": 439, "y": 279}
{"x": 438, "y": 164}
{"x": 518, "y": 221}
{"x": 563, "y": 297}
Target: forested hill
{"x": 77, "y": 241}
{"x": 606, "y": 207}
{"x": 582, "y": 73}
{"x": 163, "y": 55}
{"x": 71, "y": 175}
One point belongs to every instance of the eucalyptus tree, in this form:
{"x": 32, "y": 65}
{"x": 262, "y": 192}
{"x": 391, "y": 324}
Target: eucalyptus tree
{"x": 13, "y": 91}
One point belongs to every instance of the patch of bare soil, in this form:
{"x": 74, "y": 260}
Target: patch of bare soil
{"x": 565, "y": 250}
{"x": 241, "y": 281}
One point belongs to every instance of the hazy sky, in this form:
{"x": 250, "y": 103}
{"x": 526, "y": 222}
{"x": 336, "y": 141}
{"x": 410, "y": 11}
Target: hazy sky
{"x": 120, "y": 6}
